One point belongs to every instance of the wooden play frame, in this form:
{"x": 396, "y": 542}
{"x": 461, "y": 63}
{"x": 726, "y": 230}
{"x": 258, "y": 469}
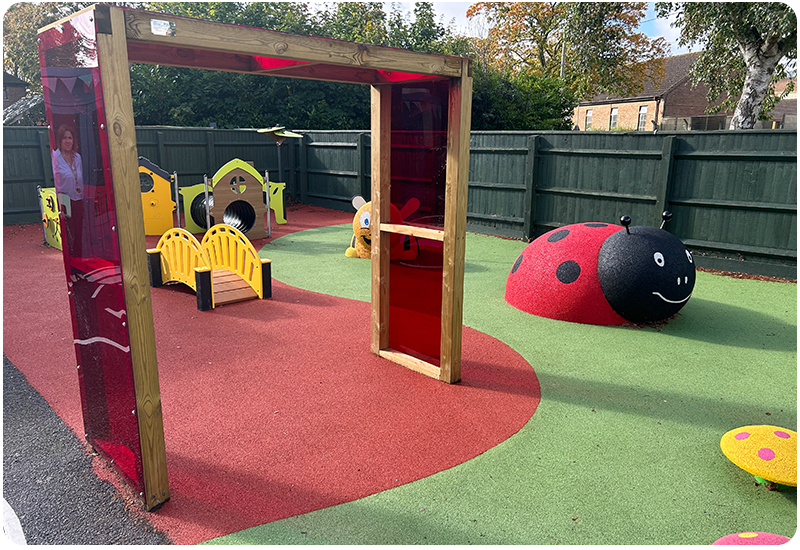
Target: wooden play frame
{"x": 126, "y": 35}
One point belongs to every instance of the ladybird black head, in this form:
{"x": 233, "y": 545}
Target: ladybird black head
{"x": 647, "y": 275}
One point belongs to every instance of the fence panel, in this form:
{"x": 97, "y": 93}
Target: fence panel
{"x": 734, "y": 196}
{"x": 335, "y": 169}
{"x": 498, "y": 180}
{"x": 26, "y": 165}
{"x": 590, "y": 176}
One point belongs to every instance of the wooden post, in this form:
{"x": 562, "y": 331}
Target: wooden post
{"x": 162, "y": 151}
{"x": 381, "y": 127}
{"x": 113, "y": 60}
{"x": 664, "y": 178}
{"x": 210, "y": 155}
{"x": 291, "y": 163}
{"x": 303, "y": 191}
{"x": 455, "y": 222}
{"x": 361, "y": 177}
{"x": 531, "y": 169}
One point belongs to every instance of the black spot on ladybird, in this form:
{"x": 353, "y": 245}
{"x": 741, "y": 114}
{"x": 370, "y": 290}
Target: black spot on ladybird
{"x": 557, "y": 236}
{"x": 517, "y": 264}
{"x": 595, "y": 225}
{"x": 568, "y": 272}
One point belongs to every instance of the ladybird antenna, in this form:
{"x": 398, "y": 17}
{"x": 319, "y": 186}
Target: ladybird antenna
{"x": 666, "y": 215}
{"x": 626, "y": 221}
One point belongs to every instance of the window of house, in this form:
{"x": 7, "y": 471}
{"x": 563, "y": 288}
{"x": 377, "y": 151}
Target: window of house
{"x": 642, "y": 118}
{"x": 588, "y": 124}
{"x": 613, "y": 122}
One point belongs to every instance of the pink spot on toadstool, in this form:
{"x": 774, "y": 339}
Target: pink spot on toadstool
{"x": 741, "y": 435}
{"x": 782, "y": 435}
{"x": 766, "y": 454}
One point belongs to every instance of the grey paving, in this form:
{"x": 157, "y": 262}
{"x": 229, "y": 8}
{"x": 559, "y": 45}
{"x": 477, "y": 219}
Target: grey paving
{"x": 48, "y": 479}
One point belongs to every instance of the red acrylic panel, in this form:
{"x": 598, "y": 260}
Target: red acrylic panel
{"x": 73, "y": 95}
{"x": 415, "y": 297}
{"x": 419, "y": 157}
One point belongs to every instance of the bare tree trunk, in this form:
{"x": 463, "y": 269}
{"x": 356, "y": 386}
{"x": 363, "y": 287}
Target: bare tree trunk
{"x": 760, "y": 60}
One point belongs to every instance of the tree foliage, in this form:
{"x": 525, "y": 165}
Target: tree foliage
{"x": 598, "y": 42}
{"x": 746, "y": 47}
{"x": 521, "y": 101}
{"x": 164, "y": 95}
{"x": 21, "y": 24}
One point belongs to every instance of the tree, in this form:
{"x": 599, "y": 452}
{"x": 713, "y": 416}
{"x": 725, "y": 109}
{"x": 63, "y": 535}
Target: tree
{"x": 604, "y": 51}
{"x": 747, "y": 47}
{"x": 164, "y": 95}
{"x": 597, "y": 41}
{"x": 356, "y": 22}
{"x": 521, "y": 101}
{"x": 21, "y": 24}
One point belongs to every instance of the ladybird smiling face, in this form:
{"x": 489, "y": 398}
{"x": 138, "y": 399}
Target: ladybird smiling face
{"x": 647, "y": 275}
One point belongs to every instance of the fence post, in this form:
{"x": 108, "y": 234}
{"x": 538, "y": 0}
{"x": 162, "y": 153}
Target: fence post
{"x": 664, "y": 177}
{"x": 361, "y": 177}
{"x": 47, "y": 161}
{"x": 531, "y": 169}
{"x": 291, "y": 161}
{"x": 162, "y": 150}
{"x": 303, "y": 170}
{"x": 210, "y": 154}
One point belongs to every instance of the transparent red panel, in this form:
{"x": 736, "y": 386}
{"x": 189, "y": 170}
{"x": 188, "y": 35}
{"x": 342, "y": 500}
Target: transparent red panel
{"x": 75, "y": 112}
{"x": 419, "y": 155}
{"x": 419, "y": 152}
{"x": 397, "y": 76}
{"x": 274, "y": 63}
{"x": 415, "y": 297}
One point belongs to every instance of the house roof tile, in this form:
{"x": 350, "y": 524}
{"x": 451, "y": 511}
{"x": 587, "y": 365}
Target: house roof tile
{"x": 11, "y": 80}
{"x": 676, "y": 71}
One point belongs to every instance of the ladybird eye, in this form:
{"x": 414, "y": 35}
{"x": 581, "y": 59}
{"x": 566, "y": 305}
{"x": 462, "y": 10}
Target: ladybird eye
{"x": 364, "y": 219}
{"x": 689, "y": 256}
{"x": 659, "y": 258}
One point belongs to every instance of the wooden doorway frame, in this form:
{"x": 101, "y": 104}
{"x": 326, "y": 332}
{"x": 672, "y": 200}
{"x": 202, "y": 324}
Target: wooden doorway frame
{"x": 127, "y": 35}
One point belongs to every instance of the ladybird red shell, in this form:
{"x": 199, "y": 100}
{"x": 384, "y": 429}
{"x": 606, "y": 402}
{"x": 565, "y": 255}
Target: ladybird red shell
{"x": 555, "y": 276}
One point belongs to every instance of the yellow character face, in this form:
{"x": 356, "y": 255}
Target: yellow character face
{"x": 361, "y": 242}
{"x": 361, "y": 228}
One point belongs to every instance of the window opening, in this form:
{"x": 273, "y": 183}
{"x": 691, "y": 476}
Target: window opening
{"x": 642, "y": 118}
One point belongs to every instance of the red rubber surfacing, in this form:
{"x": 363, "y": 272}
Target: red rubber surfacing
{"x": 273, "y": 408}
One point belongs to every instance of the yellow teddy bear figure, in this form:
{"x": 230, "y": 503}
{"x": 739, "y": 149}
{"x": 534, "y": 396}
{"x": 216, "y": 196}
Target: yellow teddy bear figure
{"x": 404, "y": 247}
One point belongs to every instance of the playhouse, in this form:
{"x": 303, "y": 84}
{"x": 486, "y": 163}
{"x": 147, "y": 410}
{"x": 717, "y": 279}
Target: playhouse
{"x": 417, "y": 152}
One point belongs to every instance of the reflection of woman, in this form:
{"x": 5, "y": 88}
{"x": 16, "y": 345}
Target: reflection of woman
{"x": 68, "y": 173}
{"x": 67, "y": 163}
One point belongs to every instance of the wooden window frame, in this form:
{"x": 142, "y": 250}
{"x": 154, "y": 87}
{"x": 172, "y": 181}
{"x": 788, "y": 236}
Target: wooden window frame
{"x": 641, "y": 121}
{"x": 127, "y": 35}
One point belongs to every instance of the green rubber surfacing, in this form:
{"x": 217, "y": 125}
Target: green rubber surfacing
{"x": 624, "y": 446}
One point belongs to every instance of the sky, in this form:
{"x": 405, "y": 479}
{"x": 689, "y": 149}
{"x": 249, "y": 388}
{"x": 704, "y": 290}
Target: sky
{"x": 652, "y": 26}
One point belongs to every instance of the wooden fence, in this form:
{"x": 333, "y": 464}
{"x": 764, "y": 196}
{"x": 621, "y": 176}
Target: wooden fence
{"x": 733, "y": 194}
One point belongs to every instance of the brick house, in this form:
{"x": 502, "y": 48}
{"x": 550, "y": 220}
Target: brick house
{"x": 672, "y": 104}
{"x": 673, "y": 96}
{"x": 14, "y": 89}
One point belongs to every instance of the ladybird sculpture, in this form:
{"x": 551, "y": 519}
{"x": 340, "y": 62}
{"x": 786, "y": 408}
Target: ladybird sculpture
{"x": 603, "y": 274}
